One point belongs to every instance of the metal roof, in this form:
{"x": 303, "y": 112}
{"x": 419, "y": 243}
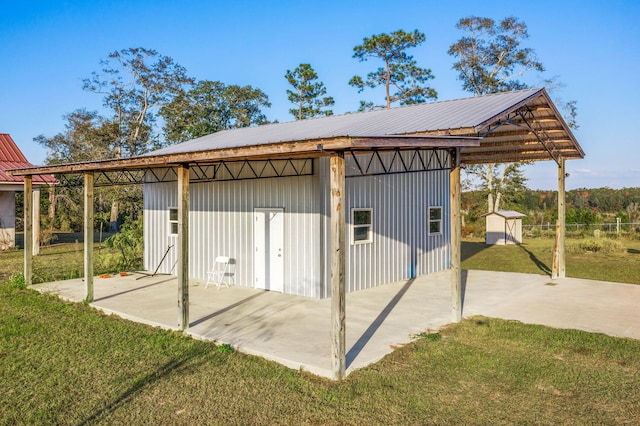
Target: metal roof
{"x": 9, "y": 151}
{"x": 459, "y": 114}
{"x": 507, "y": 214}
{"x": 503, "y": 127}
{"x": 12, "y": 158}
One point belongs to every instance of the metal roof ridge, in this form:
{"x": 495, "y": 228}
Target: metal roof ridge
{"x": 380, "y": 110}
{"x": 511, "y": 92}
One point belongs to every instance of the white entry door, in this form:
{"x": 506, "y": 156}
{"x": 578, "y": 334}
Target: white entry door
{"x": 268, "y": 237}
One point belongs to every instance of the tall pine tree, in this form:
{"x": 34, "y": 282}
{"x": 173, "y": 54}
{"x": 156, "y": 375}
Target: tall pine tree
{"x": 308, "y": 94}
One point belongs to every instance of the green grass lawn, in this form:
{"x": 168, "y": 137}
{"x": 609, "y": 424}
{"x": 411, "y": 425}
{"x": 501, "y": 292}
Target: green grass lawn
{"x": 59, "y": 262}
{"x": 65, "y": 363}
{"x": 535, "y": 256}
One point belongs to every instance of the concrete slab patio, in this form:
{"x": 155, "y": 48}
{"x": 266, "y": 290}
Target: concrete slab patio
{"x": 295, "y": 331}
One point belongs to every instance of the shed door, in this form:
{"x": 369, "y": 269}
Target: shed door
{"x": 510, "y": 231}
{"x": 268, "y": 238}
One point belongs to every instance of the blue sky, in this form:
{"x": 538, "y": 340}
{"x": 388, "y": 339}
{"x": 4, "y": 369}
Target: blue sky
{"x": 48, "y": 47}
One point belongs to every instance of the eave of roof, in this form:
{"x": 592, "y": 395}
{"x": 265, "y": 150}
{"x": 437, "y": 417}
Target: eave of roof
{"x": 539, "y": 134}
{"x": 12, "y": 158}
{"x": 283, "y": 150}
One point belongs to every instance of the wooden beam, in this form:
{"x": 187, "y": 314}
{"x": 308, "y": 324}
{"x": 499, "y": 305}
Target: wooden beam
{"x": 456, "y": 236}
{"x": 183, "y": 246}
{"x": 496, "y": 153}
{"x": 36, "y": 221}
{"x": 522, "y": 140}
{"x": 28, "y": 230}
{"x": 461, "y": 131}
{"x": 338, "y": 300}
{"x": 88, "y": 237}
{"x": 281, "y": 150}
{"x": 510, "y": 158}
{"x": 414, "y": 141}
{"x": 559, "y": 250}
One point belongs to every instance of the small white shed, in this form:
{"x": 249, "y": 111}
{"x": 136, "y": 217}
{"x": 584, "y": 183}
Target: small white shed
{"x": 504, "y": 227}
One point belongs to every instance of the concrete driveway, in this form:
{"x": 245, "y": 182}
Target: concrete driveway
{"x": 294, "y": 331}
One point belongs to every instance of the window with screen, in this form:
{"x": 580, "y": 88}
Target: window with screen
{"x": 362, "y": 223}
{"x": 435, "y": 220}
{"x": 173, "y": 221}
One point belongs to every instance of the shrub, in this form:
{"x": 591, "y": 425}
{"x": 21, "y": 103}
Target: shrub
{"x": 225, "y": 348}
{"x": 47, "y": 236}
{"x": 16, "y": 280}
{"x": 130, "y": 242}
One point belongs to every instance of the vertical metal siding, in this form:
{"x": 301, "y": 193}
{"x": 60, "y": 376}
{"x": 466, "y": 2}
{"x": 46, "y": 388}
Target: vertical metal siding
{"x": 157, "y": 198}
{"x": 401, "y": 246}
{"x": 221, "y": 223}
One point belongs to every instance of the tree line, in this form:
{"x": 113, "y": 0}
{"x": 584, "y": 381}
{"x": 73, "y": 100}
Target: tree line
{"x": 583, "y": 206}
{"x": 150, "y": 101}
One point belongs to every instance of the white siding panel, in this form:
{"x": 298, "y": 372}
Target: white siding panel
{"x": 221, "y": 223}
{"x": 156, "y": 225}
{"x": 401, "y": 247}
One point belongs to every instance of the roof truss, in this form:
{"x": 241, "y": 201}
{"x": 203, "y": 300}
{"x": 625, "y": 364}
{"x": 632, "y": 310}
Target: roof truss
{"x": 534, "y": 131}
{"x": 363, "y": 163}
{"x": 416, "y": 160}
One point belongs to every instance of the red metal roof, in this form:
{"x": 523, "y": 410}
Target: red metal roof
{"x": 12, "y": 158}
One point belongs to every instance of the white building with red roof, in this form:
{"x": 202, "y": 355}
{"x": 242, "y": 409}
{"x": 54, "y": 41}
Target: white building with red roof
{"x": 12, "y": 158}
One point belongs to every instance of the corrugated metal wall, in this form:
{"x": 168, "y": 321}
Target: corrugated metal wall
{"x": 221, "y": 223}
{"x": 401, "y": 247}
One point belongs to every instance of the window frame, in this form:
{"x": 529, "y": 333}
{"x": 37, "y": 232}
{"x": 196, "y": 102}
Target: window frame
{"x": 355, "y": 226}
{"x": 171, "y": 221}
{"x": 439, "y": 221}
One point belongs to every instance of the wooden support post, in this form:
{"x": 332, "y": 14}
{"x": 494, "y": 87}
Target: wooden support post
{"x": 88, "y": 237}
{"x": 338, "y": 301}
{"x": 183, "y": 246}
{"x": 558, "y": 270}
{"x": 28, "y": 230}
{"x": 36, "y": 222}
{"x": 456, "y": 236}
{"x": 556, "y": 252}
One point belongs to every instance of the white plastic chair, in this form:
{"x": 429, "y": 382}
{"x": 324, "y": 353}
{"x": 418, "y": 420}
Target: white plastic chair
{"x": 220, "y": 274}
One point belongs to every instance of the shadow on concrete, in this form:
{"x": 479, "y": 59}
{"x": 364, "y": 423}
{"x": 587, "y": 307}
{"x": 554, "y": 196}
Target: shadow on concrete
{"x": 540, "y": 264}
{"x": 134, "y": 289}
{"x": 375, "y": 325}
{"x": 225, "y": 309}
{"x": 463, "y": 286}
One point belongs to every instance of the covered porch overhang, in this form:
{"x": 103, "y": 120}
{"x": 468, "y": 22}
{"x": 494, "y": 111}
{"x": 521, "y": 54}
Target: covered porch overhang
{"x": 531, "y": 130}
